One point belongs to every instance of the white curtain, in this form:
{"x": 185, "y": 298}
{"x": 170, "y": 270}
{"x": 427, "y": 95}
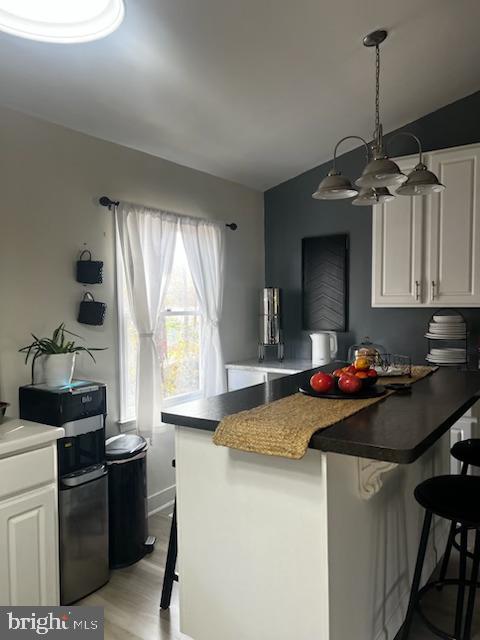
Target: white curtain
{"x": 205, "y": 248}
{"x": 146, "y": 239}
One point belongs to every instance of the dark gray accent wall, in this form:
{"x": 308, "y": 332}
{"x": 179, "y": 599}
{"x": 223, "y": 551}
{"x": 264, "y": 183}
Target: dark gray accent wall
{"x": 291, "y": 214}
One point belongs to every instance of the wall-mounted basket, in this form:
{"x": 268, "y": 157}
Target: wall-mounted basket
{"x": 89, "y": 271}
{"x": 90, "y": 311}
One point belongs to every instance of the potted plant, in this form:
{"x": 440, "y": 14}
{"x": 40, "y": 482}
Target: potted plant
{"x": 59, "y": 356}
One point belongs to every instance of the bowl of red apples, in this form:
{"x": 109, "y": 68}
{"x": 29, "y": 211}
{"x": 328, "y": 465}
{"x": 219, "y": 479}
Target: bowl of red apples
{"x": 355, "y": 379}
{"x": 361, "y": 371}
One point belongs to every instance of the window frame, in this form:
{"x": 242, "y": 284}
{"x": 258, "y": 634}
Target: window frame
{"x": 190, "y": 395}
{"x": 126, "y": 420}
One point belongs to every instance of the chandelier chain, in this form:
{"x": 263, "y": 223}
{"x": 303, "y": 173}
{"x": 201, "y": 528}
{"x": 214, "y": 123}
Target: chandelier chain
{"x": 377, "y": 94}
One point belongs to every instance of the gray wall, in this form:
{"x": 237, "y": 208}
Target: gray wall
{"x": 51, "y": 179}
{"x": 291, "y": 214}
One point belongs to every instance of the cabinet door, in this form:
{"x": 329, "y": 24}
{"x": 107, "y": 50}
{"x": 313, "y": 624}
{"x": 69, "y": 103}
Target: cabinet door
{"x": 397, "y": 249}
{"x": 453, "y": 248}
{"x": 29, "y": 549}
{"x": 241, "y": 378}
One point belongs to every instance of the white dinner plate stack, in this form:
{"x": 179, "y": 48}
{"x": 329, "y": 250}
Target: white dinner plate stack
{"x": 448, "y": 328}
{"x": 446, "y": 356}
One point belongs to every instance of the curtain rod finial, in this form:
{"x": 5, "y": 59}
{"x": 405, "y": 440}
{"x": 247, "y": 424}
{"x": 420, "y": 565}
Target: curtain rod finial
{"x": 105, "y": 201}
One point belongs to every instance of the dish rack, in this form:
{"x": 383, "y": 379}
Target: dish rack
{"x": 447, "y": 336}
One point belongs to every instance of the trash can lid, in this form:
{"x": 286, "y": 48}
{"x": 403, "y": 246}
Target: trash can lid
{"x": 124, "y": 446}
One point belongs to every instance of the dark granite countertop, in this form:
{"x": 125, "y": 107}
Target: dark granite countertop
{"x": 399, "y": 428}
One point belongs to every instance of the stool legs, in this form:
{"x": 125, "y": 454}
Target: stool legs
{"x": 169, "y": 576}
{"x": 461, "y": 587}
{"x": 473, "y": 588}
{"x": 417, "y": 576}
{"x": 448, "y": 553}
{"x": 451, "y": 538}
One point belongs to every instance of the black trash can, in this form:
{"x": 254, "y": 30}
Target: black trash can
{"x": 126, "y": 457}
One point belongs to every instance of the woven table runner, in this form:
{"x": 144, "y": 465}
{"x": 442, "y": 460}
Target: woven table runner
{"x": 284, "y": 427}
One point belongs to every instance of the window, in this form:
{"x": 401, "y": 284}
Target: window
{"x": 177, "y": 340}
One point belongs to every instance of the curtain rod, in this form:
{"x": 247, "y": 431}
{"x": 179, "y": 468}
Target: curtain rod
{"x": 105, "y": 201}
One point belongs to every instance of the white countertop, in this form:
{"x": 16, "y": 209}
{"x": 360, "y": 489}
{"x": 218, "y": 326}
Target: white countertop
{"x": 272, "y": 366}
{"x": 18, "y": 435}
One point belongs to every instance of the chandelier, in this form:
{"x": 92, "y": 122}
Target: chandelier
{"x": 380, "y": 173}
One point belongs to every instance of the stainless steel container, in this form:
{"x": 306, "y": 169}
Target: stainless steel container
{"x": 270, "y": 316}
{"x": 270, "y": 325}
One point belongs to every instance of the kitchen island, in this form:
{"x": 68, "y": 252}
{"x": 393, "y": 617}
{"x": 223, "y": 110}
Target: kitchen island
{"x": 318, "y": 548}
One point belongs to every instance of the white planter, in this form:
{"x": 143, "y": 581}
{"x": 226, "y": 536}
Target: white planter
{"x": 58, "y": 369}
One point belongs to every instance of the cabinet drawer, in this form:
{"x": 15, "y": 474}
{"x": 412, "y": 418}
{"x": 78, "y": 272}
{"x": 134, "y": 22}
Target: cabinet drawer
{"x": 24, "y": 471}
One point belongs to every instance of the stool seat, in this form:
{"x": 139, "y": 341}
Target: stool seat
{"x": 467, "y": 451}
{"x": 455, "y": 498}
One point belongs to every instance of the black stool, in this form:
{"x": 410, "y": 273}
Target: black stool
{"x": 170, "y": 576}
{"x": 454, "y": 498}
{"x": 467, "y": 452}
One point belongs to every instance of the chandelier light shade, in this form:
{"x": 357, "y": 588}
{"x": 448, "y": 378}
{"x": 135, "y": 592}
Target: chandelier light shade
{"x": 368, "y": 197}
{"x": 335, "y": 187}
{"x": 61, "y": 21}
{"x": 380, "y": 171}
{"x": 421, "y": 182}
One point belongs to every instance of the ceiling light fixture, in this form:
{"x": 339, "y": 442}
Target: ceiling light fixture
{"x": 380, "y": 172}
{"x": 61, "y": 21}
{"x": 369, "y": 196}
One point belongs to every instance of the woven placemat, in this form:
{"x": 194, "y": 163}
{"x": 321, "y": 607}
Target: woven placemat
{"x": 284, "y": 427}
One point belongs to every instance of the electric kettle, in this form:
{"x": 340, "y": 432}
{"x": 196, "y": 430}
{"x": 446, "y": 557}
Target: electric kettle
{"x": 324, "y": 347}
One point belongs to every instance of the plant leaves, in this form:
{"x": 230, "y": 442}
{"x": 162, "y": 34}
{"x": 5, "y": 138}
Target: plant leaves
{"x": 55, "y": 345}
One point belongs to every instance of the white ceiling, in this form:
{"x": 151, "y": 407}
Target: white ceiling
{"x": 256, "y": 91}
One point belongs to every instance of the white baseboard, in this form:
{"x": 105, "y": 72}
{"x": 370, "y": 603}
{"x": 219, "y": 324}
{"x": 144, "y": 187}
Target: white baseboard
{"x": 161, "y": 500}
{"x": 439, "y": 534}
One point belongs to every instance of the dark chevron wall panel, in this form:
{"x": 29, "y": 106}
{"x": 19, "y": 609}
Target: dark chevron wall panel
{"x": 325, "y": 285}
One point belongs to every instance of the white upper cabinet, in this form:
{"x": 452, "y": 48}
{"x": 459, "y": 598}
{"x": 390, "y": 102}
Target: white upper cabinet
{"x": 426, "y": 249}
{"x": 397, "y": 249}
{"x": 453, "y": 260}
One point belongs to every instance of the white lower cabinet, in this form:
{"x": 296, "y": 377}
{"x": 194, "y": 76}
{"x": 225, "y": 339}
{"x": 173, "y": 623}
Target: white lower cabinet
{"x": 29, "y": 564}
{"x": 463, "y": 429}
{"x": 28, "y": 548}
{"x": 247, "y": 373}
{"x": 242, "y": 378}
{"x": 426, "y": 249}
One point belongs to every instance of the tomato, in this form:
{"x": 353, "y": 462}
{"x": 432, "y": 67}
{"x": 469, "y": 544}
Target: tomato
{"x": 361, "y": 374}
{"x": 337, "y": 373}
{"x": 351, "y": 369}
{"x": 349, "y": 384}
{"x": 322, "y": 382}
{"x": 372, "y": 373}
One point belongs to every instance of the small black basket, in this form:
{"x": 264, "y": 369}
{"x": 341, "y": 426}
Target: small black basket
{"x": 91, "y": 311}
{"x": 89, "y": 271}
